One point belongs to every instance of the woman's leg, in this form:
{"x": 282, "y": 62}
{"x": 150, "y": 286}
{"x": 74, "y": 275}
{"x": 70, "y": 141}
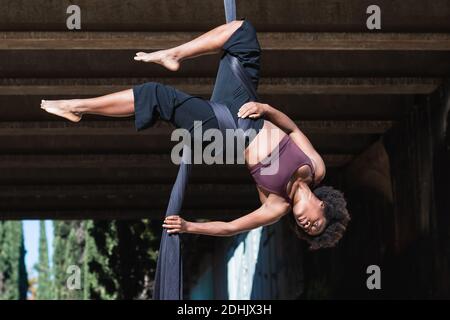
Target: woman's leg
{"x": 118, "y": 104}
{"x": 121, "y": 104}
{"x": 209, "y": 42}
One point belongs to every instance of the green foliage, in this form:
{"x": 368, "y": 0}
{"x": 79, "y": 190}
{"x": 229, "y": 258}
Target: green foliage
{"x": 121, "y": 259}
{"x": 100, "y": 255}
{"x": 13, "y": 275}
{"x": 69, "y": 241}
{"x": 43, "y": 268}
{"x": 117, "y": 258}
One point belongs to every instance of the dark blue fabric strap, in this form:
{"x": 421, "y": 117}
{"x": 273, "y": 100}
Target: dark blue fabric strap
{"x": 169, "y": 271}
{"x": 223, "y": 115}
{"x": 243, "y": 77}
{"x": 230, "y": 10}
{"x": 225, "y": 121}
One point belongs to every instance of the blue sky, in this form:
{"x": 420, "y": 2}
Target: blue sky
{"x": 31, "y": 237}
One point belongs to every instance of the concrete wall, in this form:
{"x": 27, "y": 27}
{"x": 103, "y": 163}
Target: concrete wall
{"x": 398, "y": 196}
{"x": 265, "y": 263}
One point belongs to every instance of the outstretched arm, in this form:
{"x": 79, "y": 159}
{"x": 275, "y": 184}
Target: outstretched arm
{"x": 267, "y": 214}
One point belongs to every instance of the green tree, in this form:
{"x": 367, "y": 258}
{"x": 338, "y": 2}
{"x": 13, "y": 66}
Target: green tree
{"x": 121, "y": 259}
{"x": 44, "y": 289}
{"x": 117, "y": 259}
{"x": 13, "y": 274}
{"x": 69, "y": 242}
{"x": 101, "y": 281}
{"x": 60, "y": 230}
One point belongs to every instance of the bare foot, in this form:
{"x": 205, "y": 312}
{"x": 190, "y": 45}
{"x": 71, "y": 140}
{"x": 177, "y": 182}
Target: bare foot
{"x": 62, "y": 108}
{"x": 162, "y": 57}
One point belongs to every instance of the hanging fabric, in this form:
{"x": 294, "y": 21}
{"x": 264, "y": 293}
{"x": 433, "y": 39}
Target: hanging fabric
{"x": 169, "y": 270}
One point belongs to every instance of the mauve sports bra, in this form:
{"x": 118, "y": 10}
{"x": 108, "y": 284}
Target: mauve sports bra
{"x": 275, "y": 179}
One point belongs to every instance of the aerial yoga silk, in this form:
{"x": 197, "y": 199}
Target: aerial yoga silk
{"x": 169, "y": 272}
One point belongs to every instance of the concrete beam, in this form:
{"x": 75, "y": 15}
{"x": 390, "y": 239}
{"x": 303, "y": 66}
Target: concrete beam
{"x": 121, "y": 169}
{"x": 25, "y": 108}
{"x": 275, "y": 63}
{"x": 340, "y": 106}
{"x": 204, "y": 86}
{"x": 65, "y": 142}
{"x": 117, "y": 214}
{"x": 285, "y": 54}
{"x": 94, "y": 128}
{"x": 288, "y": 15}
{"x": 269, "y": 41}
{"x": 124, "y": 197}
{"x": 110, "y": 137}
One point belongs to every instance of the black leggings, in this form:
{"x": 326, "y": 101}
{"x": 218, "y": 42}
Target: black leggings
{"x": 153, "y": 100}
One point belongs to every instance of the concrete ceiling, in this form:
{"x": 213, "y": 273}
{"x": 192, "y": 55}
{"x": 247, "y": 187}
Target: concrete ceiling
{"x": 344, "y": 85}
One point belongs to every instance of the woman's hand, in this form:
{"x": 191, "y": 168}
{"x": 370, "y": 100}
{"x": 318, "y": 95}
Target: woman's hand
{"x": 252, "y": 110}
{"x": 175, "y": 224}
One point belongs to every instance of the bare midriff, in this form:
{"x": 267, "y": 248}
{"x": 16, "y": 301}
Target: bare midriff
{"x": 267, "y": 139}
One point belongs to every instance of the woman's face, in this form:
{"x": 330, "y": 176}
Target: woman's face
{"x": 308, "y": 211}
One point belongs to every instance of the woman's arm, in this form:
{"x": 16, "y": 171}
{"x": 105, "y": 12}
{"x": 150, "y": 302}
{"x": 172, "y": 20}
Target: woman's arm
{"x": 256, "y": 110}
{"x": 267, "y": 214}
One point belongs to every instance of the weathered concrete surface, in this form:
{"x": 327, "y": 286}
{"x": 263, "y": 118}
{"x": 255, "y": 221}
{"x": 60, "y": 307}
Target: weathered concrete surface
{"x": 116, "y": 40}
{"x": 110, "y": 142}
{"x": 46, "y": 169}
{"x": 170, "y": 15}
{"x": 150, "y": 197}
{"x": 274, "y": 63}
{"x": 23, "y": 107}
{"x": 342, "y": 84}
{"x": 204, "y": 86}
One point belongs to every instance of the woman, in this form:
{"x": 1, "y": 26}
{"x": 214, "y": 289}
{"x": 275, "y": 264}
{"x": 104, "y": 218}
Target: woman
{"x": 320, "y": 215}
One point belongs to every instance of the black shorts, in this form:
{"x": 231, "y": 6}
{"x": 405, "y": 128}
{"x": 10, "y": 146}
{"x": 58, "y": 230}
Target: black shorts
{"x": 153, "y": 100}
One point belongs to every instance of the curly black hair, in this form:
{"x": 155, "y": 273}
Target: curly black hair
{"x": 336, "y": 215}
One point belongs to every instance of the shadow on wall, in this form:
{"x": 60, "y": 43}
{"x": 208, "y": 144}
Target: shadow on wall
{"x": 399, "y": 214}
{"x": 397, "y": 195}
